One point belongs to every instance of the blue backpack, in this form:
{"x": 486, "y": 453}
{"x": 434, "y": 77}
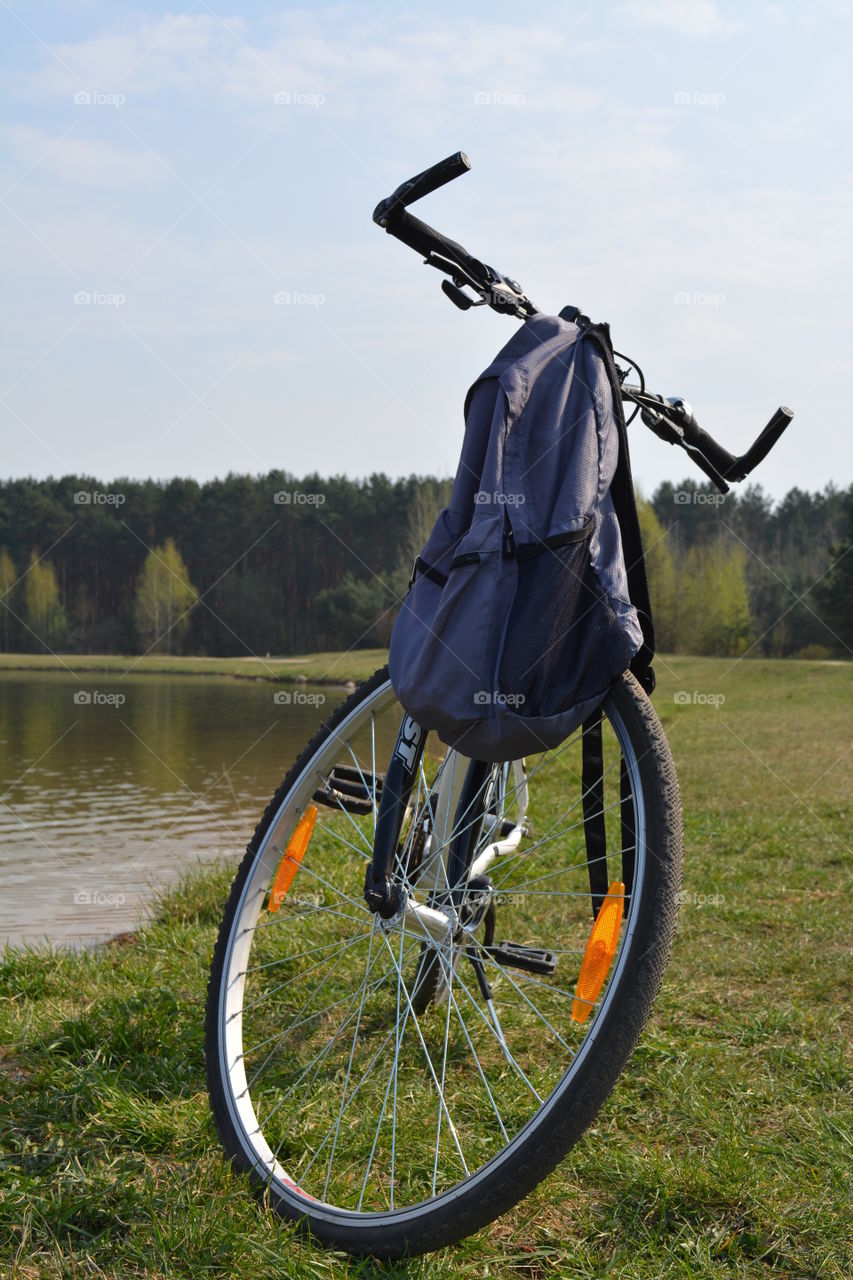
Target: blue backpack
{"x": 521, "y": 611}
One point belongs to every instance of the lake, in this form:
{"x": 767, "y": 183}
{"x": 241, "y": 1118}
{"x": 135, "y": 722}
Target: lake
{"x": 111, "y": 786}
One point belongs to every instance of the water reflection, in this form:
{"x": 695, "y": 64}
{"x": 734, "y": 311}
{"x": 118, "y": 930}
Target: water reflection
{"x": 110, "y": 786}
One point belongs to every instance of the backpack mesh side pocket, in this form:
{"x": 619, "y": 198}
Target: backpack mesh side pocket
{"x": 563, "y": 643}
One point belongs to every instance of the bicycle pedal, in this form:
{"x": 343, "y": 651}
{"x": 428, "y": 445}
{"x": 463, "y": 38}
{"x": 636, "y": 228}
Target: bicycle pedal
{"x": 516, "y": 956}
{"x": 350, "y": 789}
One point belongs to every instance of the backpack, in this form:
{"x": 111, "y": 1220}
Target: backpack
{"x": 521, "y": 611}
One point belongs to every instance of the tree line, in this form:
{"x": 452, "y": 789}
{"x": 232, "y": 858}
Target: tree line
{"x": 276, "y": 564}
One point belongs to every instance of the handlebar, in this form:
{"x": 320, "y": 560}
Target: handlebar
{"x": 491, "y": 287}
{"x": 421, "y": 185}
{"x": 671, "y": 420}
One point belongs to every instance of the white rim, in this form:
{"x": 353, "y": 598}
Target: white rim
{"x": 229, "y": 1024}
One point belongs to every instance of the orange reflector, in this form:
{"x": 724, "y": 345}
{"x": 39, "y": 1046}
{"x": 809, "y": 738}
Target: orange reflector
{"x": 600, "y": 950}
{"x": 293, "y": 855}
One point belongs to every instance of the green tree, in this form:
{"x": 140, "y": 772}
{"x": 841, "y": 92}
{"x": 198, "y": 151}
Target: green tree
{"x": 7, "y": 582}
{"x": 427, "y": 501}
{"x": 834, "y": 594}
{"x": 358, "y": 613}
{"x": 43, "y": 610}
{"x": 714, "y": 617}
{"x": 164, "y": 598}
{"x": 263, "y": 565}
{"x": 662, "y": 575}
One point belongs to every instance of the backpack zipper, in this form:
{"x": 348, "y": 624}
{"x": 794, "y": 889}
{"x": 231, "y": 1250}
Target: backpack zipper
{"x": 507, "y": 540}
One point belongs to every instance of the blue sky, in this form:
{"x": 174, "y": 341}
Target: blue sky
{"x": 680, "y": 169}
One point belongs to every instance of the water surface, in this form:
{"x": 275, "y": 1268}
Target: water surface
{"x": 110, "y": 786}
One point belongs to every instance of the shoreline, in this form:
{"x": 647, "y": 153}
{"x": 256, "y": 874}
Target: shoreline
{"x": 335, "y": 670}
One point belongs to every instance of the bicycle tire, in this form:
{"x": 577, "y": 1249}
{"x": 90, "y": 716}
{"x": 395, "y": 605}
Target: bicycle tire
{"x": 544, "y": 1140}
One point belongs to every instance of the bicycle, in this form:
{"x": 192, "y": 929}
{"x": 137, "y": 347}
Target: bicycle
{"x": 388, "y": 1074}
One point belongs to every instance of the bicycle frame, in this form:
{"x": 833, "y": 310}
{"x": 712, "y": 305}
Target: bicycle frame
{"x": 446, "y": 867}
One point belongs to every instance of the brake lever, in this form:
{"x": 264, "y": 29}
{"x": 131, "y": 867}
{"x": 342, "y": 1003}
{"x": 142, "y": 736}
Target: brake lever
{"x": 458, "y": 297}
{"x": 456, "y": 271}
{"x": 672, "y": 420}
{"x": 660, "y": 423}
{"x": 495, "y": 290}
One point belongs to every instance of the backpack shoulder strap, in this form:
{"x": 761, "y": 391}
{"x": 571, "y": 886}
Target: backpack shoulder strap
{"x": 625, "y": 504}
{"x": 592, "y": 789}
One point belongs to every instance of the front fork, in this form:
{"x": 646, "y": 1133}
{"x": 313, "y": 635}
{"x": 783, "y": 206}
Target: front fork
{"x": 382, "y": 895}
{"x": 383, "y": 892}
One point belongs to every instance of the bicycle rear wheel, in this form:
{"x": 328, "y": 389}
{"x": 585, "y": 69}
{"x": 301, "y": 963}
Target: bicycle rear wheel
{"x": 387, "y": 1118}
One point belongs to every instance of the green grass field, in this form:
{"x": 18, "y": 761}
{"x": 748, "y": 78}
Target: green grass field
{"x": 725, "y": 1150}
{"x": 318, "y": 668}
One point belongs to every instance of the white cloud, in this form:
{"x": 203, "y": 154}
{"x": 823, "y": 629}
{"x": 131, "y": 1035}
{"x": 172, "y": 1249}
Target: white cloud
{"x": 593, "y": 189}
{"x": 82, "y": 162}
{"x": 687, "y": 17}
{"x": 359, "y": 69}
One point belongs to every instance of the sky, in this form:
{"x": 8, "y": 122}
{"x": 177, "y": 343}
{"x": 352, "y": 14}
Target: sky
{"x": 193, "y": 284}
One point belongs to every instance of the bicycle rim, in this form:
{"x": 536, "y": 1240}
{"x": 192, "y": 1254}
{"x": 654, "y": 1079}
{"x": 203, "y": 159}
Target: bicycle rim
{"x": 352, "y": 1109}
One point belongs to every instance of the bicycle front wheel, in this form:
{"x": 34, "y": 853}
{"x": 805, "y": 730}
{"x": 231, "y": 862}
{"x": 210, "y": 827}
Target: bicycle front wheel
{"x": 394, "y": 1091}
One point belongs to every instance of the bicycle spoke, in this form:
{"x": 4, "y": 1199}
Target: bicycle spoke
{"x": 443, "y": 1070}
{"x": 367, "y": 1093}
{"x": 349, "y": 1062}
{"x": 429, "y": 1064}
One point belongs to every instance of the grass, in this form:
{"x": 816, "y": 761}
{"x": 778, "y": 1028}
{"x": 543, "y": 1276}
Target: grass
{"x": 317, "y": 668}
{"x": 726, "y": 1149}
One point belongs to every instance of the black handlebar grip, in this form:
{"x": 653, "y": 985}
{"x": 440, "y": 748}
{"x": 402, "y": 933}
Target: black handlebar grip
{"x": 425, "y": 240}
{"x": 762, "y": 446}
{"x": 720, "y": 459}
{"x": 421, "y": 185}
